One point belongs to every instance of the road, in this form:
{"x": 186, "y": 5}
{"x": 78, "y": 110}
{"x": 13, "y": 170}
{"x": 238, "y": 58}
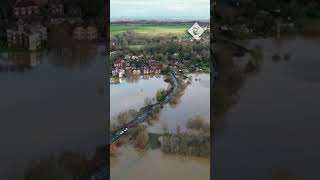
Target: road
{"x": 147, "y": 111}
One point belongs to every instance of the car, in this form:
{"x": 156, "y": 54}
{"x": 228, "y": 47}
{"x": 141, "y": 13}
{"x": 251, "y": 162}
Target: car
{"x": 121, "y": 132}
{"x": 125, "y": 130}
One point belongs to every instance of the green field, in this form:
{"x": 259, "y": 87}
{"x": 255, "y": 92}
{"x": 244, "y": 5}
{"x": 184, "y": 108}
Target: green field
{"x": 150, "y": 29}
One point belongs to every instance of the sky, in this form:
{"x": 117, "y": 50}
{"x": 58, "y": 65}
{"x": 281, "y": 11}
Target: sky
{"x": 159, "y": 9}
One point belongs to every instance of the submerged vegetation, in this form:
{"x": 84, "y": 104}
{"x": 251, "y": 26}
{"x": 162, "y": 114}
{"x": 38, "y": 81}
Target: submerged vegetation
{"x": 194, "y": 142}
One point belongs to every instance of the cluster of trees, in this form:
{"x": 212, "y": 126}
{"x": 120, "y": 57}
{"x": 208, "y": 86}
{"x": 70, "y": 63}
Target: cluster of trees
{"x": 140, "y": 135}
{"x": 198, "y": 124}
{"x": 176, "y": 98}
{"x": 122, "y": 119}
{"x": 195, "y": 142}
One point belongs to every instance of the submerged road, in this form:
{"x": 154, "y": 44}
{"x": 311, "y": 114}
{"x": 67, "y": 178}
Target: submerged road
{"x": 146, "y": 111}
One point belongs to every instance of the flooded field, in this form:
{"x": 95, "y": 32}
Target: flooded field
{"x": 154, "y": 164}
{"x": 272, "y": 130}
{"x": 51, "y": 102}
{"x": 128, "y": 94}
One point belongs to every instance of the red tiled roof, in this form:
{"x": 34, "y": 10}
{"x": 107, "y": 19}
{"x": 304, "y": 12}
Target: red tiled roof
{"x": 25, "y": 3}
{"x": 119, "y": 61}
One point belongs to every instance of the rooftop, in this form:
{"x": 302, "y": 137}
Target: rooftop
{"x": 25, "y": 3}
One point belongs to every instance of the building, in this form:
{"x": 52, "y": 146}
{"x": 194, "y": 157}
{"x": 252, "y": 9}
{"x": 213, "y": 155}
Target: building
{"x": 92, "y": 33}
{"x": 26, "y": 36}
{"x": 136, "y": 72}
{"x": 119, "y": 63}
{"x": 89, "y": 33}
{"x": 26, "y": 9}
{"x": 154, "y": 70}
{"x": 145, "y": 70}
{"x": 55, "y": 8}
{"x": 118, "y": 72}
{"x": 56, "y": 12}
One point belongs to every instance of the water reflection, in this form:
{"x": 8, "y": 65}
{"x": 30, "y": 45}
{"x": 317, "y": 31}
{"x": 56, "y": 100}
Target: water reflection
{"x": 20, "y": 61}
{"x": 269, "y": 117}
{"x": 79, "y": 56}
{"x": 66, "y": 106}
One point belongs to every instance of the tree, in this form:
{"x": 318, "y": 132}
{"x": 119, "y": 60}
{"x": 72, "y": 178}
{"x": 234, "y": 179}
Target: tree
{"x": 123, "y": 118}
{"x": 142, "y": 137}
{"x": 178, "y": 129}
{"x": 161, "y": 93}
{"x": 148, "y": 101}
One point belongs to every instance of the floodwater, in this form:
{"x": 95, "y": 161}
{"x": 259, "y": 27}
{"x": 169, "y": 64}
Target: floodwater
{"x": 50, "y": 102}
{"x": 130, "y": 94}
{"x": 194, "y": 102}
{"x": 273, "y": 130}
{"x": 152, "y": 163}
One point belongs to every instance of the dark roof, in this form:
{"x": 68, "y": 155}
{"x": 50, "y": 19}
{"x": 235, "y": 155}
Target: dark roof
{"x": 25, "y": 3}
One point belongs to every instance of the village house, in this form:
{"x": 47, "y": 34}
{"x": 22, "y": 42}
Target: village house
{"x": 136, "y": 71}
{"x": 85, "y": 33}
{"x": 145, "y": 70}
{"x": 119, "y": 63}
{"x": 126, "y": 57}
{"x": 152, "y": 62}
{"x": 26, "y": 9}
{"x": 55, "y": 8}
{"x": 118, "y": 72}
{"x": 155, "y": 69}
{"x": 56, "y": 12}
{"x": 31, "y": 37}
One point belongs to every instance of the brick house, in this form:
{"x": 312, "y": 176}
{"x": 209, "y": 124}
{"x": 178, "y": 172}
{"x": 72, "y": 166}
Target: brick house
{"x": 26, "y": 36}
{"x": 119, "y": 63}
{"x": 25, "y": 9}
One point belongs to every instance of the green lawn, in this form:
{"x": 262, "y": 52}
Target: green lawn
{"x": 150, "y": 29}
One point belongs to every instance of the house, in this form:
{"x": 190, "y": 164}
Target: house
{"x": 145, "y": 70}
{"x": 85, "y": 33}
{"x": 55, "y": 8}
{"x": 119, "y": 63}
{"x": 121, "y": 72}
{"x": 155, "y": 70}
{"x": 136, "y": 72}
{"x": 152, "y": 62}
{"x": 56, "y": 12}
{"x": 126, "y": 57}
{"x": 27, "y": 36}
{"x": 25, "y": 9}
{"x": 134, "y": 57}
{"x": 118, "y": 72}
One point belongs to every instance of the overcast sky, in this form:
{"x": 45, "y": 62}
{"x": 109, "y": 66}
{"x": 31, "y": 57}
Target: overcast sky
{"x": 160, "y": 9}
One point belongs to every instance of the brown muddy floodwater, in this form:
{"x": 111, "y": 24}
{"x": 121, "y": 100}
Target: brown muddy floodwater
{"x": 130, "y": 94}
{"x": 152, "y": 163}
{"x": 50, "y": 102}
{"x": 273, "y": 130}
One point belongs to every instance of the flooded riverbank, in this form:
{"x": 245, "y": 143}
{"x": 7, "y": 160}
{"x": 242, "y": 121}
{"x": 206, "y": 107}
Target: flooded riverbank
{"x": 154, "y": 164}
{"x": 272, "y": 128}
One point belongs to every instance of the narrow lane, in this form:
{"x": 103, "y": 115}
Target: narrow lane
{"x": 147, "y": 111}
